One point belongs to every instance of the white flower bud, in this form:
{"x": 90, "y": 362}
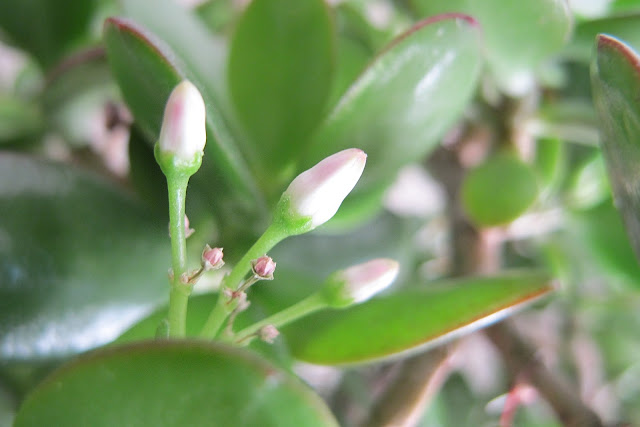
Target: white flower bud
{"x": 183, "y": 133}
{"x": 317, "y": 193}
{"x": 360, "y": 282}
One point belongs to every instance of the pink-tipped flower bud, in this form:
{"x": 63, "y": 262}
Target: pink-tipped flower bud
{"x": 360, "y": 282}
{"x": 268, "y": 333}
{"x": 263, "y": 267}
{"x": 212, "y": 258}
{"x": 317, "y": 193}
{"x": 183, "y": 133}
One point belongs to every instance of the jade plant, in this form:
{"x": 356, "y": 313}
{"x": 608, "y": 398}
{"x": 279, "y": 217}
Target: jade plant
{"x": 319, "y": 213}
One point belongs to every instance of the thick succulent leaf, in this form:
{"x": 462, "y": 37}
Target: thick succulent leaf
{"x": 79, "y": 260}
{"x": 499, "y": 190}
{"x": 518, "y": 35}
{"x": 18, "y": 120}
{"x": 46, "y": 28}
{"x": 281, "y": 67}
{"x": 615, "y": 80}
{"x": 624, "y": 27}
{"x": 412, "y": 319}
{"x": 172, "y": 383}
{"x": 601, "y": 231}
{"x": 147, "y": 69}
{"x": 403, "y": 102}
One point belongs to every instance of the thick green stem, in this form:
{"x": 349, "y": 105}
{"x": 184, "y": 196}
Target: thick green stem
{"x": 313, "y": 302}
{"x": 221, "y": 311}
{"x": 179, "y": 295}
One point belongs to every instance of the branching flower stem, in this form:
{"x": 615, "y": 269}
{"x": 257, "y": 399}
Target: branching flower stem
{"x": 271, "y": 237}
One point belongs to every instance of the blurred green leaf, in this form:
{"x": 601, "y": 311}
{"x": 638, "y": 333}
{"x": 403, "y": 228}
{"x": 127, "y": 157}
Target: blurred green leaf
{"x": 351, "y": 59}
{"x": 403, "y": 103}
{"x": 47, "y": 28}
{"x": 602, "y": 231}
{"x": 413, "y": 319}
{"x": 217, "y": 15}
{"x": 518, "y": 35}
{"x": 624, "y": 27}
{"x": 499, "y": 190}
{"x": 173, "y": 383}
{"x": 281, "y": 67}
{"x": 550, "y": 163}
{"x": 615, "y": 79}
{"x": 18, "y": 120}
{"x": 79, "y": 260}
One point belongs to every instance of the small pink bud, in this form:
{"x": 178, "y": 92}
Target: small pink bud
{"x": 360, "y": 282}
{"x": 317, "y": 193}
{"x": 183, "y": 131}
{"x": 268, "y": 333}
{"x": 212, "y": 258}
{"x": 264, "y": 267}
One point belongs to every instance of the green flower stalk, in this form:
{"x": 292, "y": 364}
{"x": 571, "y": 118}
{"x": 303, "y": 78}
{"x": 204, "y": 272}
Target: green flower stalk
{"x": 179, "y": 153}
{"x": 343, "y": 288}
{"x": 311, "y": 199}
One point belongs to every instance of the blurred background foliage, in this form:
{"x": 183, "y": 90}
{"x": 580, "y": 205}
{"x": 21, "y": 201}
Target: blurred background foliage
{"x": 476, "y": 115}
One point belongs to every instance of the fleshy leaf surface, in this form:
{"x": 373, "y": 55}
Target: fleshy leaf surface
{"x": 499, "y": 190}
{"x": 412, "y": 319}
{"x": 80, "y": 260}
{"x": 281, "y": 65}
{"x": 518, "y": 35}
{"x": 615, "y": 81}
{"x": 404, "y": 102}
{"x": 173, "y": 383}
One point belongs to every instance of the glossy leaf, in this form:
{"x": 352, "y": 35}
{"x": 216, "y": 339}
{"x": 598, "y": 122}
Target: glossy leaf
{"x": 499, "y": 190}
{"x": 79, "y": 260}
{"x": 518, "y": 35}
{"x": 46, "y": 28}
{"x": 172, "y": 383}
{"x": 615, "y": 79}
{"x": 281, "y": 66}
{"x": 412, "y": 319}
{"x": 404, "y": 102}
{"x": 624, "y": 27}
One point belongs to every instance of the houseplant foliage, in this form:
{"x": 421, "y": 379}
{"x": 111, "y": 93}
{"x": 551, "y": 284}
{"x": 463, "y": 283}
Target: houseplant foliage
{"x": 288, "y": 132}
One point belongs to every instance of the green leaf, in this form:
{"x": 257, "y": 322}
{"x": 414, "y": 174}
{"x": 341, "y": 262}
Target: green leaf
{"x": 47, "y": 28}
{"x": 615, "y": 80}
{"x": 172, "y": 383}
{"x": 602, "y": 232}
{"x": 18, "y": 120}
{"x": 624, "y": 27}
{"x": 281, "y": 67}
{"x": 499, "y": 190}
{"x": 518, "y": 35}
{"x": 404, "y": 102}
{"x": 414, "y": 319}
{"x": 148, "y": 68}
{"x": 79, "y": 260}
